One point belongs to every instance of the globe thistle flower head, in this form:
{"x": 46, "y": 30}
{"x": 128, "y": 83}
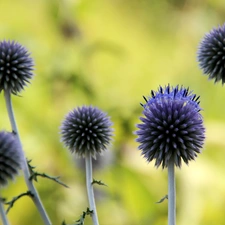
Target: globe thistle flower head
{"x": 16, "y": 67}
{"x": 211, "y": 54}
{"x": 11, "y": 157}
{"x": 86, "y": 130}
{"x": 171, "y": 127}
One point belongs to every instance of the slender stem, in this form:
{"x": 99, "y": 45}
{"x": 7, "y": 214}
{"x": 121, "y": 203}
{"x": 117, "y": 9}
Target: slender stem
{"x": 90, "y": 192}
{"x": 29, "y": 183}
{"x": 3, "y": 213}
{"x": 171, "y": 194}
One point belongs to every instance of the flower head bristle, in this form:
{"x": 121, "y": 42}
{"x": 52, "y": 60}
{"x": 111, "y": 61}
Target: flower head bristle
{"x": 86, "y": 130}
{"x": 11, "y": 157}
{"x": 172, "y": 126}
{"x": 16, "y": 67}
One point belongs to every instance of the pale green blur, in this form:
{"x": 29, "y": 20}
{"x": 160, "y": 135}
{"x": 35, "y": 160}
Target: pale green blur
{"x": 109, "y": 53}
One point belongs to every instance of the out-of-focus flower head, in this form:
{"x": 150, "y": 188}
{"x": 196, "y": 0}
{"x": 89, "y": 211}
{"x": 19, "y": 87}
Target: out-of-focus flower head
{"x": 11, "y": 157}
{"x": 16, "y": 67}
{"x": 86, "y": 130}
{"x": 211, "y": 54}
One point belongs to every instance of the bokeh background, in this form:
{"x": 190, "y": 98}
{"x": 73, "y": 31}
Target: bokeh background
{"x": 109, "y": 53}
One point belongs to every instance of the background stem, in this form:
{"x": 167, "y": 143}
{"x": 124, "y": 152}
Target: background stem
{"x": 171, "y": 194}
{"x": 3, "y": 214}
{"x": 90, "y": 192}
{"x": 35, "y": 198}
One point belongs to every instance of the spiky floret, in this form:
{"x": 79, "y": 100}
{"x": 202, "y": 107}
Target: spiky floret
{"x": 169, "y": 92}
{"x": 171, "y": 126}
{"x": 211, "y": 54}
{"x": 86, "y": 130}
{"x": 11, "y": 157}
{"x": 16, "y": 67}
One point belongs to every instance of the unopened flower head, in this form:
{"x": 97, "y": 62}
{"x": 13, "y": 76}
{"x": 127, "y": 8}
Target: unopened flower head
{"x": 171, "y": 127}
{"x": 16, "y": 67}
{"x": 86, "y": 130}
{"x": 11, "y": 157}
{"x": 211, "y": 54}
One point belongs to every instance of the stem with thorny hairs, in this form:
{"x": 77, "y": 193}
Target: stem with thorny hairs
{"x": 29, "y": 183}
{"x": 90, "y": 192}
{"x": 171, "y": 194}
{"x": 3, "y": 213}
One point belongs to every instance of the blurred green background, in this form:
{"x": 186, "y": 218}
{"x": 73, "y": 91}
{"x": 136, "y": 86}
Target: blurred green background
{"x": 109, "y": 53}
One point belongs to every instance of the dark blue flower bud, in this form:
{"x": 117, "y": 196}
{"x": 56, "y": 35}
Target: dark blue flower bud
{"x": 211, "y": 54}
{"x": 86, "y": 129}
{"x": 16, "y": 67}
{"x": 11, "y": 157}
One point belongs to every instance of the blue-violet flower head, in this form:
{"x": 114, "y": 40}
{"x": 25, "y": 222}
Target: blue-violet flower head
{"x": 16, "y": 67}
{"x": 211, "y": 54}
{"x": 11, "y": 157}
{"x": 171, "y": 126}
{"x": 86, "y": 130}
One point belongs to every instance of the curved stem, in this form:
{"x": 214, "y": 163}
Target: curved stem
{"x": 3, "y": 214}
{"x": 90, "y": 192}
{"x": 171, "y": 194}
{"x": 29, "y": 183}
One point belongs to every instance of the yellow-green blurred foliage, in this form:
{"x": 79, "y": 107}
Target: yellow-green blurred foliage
{"x": 109, "y": 53}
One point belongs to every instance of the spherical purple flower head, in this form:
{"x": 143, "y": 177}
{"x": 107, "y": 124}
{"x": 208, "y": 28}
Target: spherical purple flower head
{"x": 211, "y": 54}
{"x": 86, "y": 130}
{"x": 16, "y": 67}
{"x": 172, "y": 127}
{"x": 11, "y": 157}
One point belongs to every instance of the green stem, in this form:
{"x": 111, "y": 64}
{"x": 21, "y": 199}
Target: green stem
{"x": 171, "y": 194}
{"x": 29, "y": 183}
{"x": 3, "y": 214}
{"x": 90, "y": 192}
